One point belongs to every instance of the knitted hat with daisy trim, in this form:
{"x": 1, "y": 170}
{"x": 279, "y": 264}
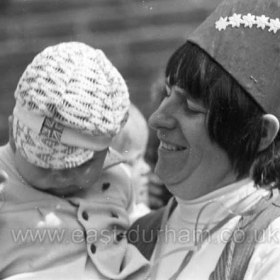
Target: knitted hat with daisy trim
{"x": 243, "y": 36}
{"x": 70, "y": 102}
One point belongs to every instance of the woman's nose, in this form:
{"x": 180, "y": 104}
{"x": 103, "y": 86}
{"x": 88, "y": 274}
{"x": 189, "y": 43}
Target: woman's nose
{"x": 163, "y": 117}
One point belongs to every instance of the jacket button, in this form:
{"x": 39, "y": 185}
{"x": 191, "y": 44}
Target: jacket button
{"x": 114, "y": 215}
{"x": 93, "y": 248}
{"x": 85, "y": 215}
{"x": 105, "y": 186}
{"x": 120, "y": 236}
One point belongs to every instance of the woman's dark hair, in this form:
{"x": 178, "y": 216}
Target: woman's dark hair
{"x": 235, "y": 120}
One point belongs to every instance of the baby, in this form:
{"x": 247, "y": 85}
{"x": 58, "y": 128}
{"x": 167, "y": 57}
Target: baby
{"x": 65, "y": 206}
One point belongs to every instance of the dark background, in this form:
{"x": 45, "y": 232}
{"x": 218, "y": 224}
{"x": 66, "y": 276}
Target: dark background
{"x": 137, "y": 36}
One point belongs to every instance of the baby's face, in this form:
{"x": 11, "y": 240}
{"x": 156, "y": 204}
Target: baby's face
{"x": 62, "y": 182}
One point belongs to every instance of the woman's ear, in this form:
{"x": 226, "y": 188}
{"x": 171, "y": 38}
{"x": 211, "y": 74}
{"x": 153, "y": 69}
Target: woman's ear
{"x": 270, "y": 130}
{"x": 11, "y": 135}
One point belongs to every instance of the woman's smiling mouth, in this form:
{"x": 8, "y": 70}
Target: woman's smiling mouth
{"x": 171, "y": 147}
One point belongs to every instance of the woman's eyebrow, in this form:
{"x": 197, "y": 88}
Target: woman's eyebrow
{"x": 189, "y": 99}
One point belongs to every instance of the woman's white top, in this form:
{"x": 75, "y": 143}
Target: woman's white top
{"x": 191, "y": 217}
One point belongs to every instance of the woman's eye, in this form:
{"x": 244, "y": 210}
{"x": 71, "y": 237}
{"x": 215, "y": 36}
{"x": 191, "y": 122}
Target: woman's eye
{"x": 190, "y": 109}
{"x": 194, "y": 108}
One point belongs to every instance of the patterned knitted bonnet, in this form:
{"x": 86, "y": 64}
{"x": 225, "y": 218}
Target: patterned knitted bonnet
{"x": 70, "y": 102}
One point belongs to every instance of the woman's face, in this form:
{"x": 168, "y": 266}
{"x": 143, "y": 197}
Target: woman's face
{"x": 189, "y": 163}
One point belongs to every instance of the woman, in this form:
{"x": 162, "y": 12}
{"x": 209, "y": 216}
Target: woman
{"x": 219, "y": 150}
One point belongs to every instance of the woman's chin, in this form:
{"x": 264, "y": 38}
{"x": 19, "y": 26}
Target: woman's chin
{"x": 166, "y": 174}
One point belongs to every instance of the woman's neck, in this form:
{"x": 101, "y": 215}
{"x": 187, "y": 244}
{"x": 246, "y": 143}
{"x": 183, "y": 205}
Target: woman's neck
{"x": 198, "y": 185}
{"x": 218, "y": 203}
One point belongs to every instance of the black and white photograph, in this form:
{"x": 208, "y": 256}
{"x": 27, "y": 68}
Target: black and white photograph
{"x": 140, "y": 139}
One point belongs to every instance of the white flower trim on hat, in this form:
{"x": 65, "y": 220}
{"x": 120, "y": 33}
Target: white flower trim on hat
{"x": 248, "y": 21}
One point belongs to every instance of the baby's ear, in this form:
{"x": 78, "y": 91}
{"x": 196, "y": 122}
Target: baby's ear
{"x": 270, "y": 130}
{"x": 11, "y": 135}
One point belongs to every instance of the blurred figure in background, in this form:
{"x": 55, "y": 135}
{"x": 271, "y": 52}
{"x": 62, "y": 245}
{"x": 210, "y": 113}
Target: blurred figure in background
{"x": 3, "y": 179}
{"x": 131, "y": 143}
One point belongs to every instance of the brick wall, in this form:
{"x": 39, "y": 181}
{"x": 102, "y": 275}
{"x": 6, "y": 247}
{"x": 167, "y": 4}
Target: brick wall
{"x": 138, "y": 36}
